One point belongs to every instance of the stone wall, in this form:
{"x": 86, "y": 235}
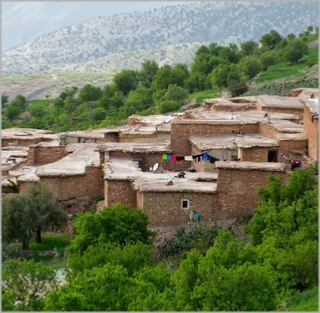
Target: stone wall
{"x": 237, "y": 191}
{"x": 45, "y": 155}
{"x": 119, "y": 192}
{"x": 144, "y": 138}
{"x": 255, "y": 154}
{"x": 296, "y": 111}
{"x": 111, "y": 137}
{"x": 311, "y": 127}
{"x": 181, "y": 130}
{"x": 267, "y": 130}
{"x": 90, "y": 184}
{"x": 20, "y": 142}
{"x": 165, "y": 209}
{"x": 285, "y": 146}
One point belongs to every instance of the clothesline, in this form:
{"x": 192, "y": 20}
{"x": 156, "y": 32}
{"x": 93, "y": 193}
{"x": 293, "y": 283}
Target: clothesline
{"x": 197, "y": 158}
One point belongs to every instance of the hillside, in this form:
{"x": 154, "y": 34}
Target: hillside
{"x": 81, "y": 46}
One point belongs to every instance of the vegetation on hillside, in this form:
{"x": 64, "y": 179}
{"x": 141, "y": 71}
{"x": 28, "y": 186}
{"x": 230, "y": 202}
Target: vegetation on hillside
{"x": 161, "y": 89}
{"x": 111, "y": 264}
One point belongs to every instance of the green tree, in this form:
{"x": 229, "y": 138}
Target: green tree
{"x": 237, "y": 88}
{"x": 294, "y": 51}
{"x": 30, "y": 213}
{"x": 106, "y": 288}
{"x": 126, "y": 81}
{"x": 89, "y": 93}
{"x": 12, "y": 112}
{"x": 25, "y": 284}
{"x": 68, "y": 92}
{"x": 148, "y": 70}
{"x": 166, "y": 106}
{"x": 219, "y": 76}
{"x": 249, "y": 47}
{"x": 270, "y": 40}
{"x": 176, "y": 93}
{"x": 4, "y": 100}
{"x": 231, "y": 53}
{"x": 162, "y": 78}
{"x": 20, "y": 102}
{"x": 197, "y": 82}
{"x": 267, "y": 59}
{"x": 117, "y": 224}
{"x": 250, "y": 66}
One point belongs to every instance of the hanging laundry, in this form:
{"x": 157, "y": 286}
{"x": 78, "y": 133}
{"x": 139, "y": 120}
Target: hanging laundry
{"x": 188, "y": 158}
{"x": 164, "y": 157}
{"x": 180, "y": 158}
{"x": 169, "y": 157}
{"x": 205, "y": 156}
{"x": 173, "y": 158}
{"x": 199, "y": 158}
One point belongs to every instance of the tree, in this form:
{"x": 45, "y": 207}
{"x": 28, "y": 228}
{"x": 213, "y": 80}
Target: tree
{"x": 249, "y": 47}
{"x": 25, "y": 284}
{"x": 106, "y": 288}
{"x": 166, "y": 106}
{"x": 12, "y": 112}
{"x": 270, "y": 40}
{"x": 162, "y": 78}
{"x": 294, "y": 51}
{"x": 267, "y": 59}
{"x": 250, "y": 66}
{"x": 176, "y": 93}
{"x": 219, "y": 76}
{"x": 126, "y": 81}
{"x": 20, "y": 102}
{"x": 89, "y": 93}
{"x": 28, "y": 214}
{"x": 117, "y": 224}
{"x": 231, "y": 53}
{"x": 147, "y": 73}
{"x": 4, "y": 100}
{"x": 237, "y": 88}
{"x": 68, "y": 92}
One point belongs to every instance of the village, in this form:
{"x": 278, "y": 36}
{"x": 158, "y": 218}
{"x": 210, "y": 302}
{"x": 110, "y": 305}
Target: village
{"x": 206, "y": 162}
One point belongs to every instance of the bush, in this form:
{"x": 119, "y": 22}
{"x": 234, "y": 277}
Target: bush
{"x": 168, "y": 106}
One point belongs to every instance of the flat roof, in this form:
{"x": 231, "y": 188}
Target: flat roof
{"x": 86, "y": 134}
{"x": 271, "y": 101}
{"x": 72, "y": 164}
{"x": 26, "y": 133}
{"x": 157, "y": 147}
{"x": 262, "y": 166}
{"x": 224, "y": 141}
{"x": 285, "y": 126}
{"x": 239, "y": 115}
{"x": 312, "y": 105}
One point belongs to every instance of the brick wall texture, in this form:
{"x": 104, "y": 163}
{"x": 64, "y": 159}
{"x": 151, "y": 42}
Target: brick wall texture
{"x": 68, "y": 187}
{"x": 181, "y": 131}
{"x": 237, "y": 191}
{"x": 119, "y": 192}
{"x": 311, "y": 128}
{"x": 255, "y": 154}
{"x": 45, "y": 155}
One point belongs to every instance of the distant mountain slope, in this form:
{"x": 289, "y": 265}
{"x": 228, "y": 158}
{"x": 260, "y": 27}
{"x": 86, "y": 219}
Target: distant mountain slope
{"x": 223, "y": 22}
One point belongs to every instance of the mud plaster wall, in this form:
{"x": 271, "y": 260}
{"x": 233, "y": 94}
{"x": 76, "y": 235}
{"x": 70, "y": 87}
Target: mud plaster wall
{"x": 119, "y": 192}
{"x": 311, "y": 128}
{"x": 21, "y": 141}
{"x": 149, "y": 159}
{"x": 165, "y": 209}
{"x": 237, "y": 191}
{"x": 45, "y": 155}
{"x": 180, "y": 133}
{"x": 286, "y": 145}
{"x": 256, "y": 154}
{"x": 140, "y": 138}
{"x": 111, "y": 137}
{"x": 298, "y": 112}
{"x": 267, "y": 130}
{"x": 26, "y": 184}
{"x": 68, "y": 187}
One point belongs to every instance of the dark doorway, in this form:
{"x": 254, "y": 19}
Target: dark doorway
{"x": 273, "y": 156}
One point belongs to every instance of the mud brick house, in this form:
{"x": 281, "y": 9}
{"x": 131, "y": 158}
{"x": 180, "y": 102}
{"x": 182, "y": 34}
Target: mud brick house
{"x": 210, "y": 159}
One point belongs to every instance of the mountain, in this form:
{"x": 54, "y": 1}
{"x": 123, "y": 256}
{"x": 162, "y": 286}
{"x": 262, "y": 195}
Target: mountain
{"x": 26, "y": 21}
{"x": 73, "y": 47}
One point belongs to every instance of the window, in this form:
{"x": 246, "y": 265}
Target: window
{"x": 185, "y": 204}
{"x": 272, "y": 156}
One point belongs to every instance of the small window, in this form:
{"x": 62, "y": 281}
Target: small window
{"x": 185, "y": 204}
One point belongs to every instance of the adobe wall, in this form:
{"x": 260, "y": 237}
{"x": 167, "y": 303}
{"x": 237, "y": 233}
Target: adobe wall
{"x": 149, "y": 159}
{"x": 164, "y": 209}
{"x": 45, "y": 155}
{"x": 23, "y": 185}
{"x": 311, "y": 128}
{"x": 297, "y": 111}
{"x": 181, "y": 130}
{"x": 237, "y": 191}
{"x": 144, "y": 138}
{"x": 91, "y": 184}
{"x": 119, "y": 192}
{"x": 256, "y": 154}
{"x": 285, "y": 146}
{"x": 111, "y": 137}
{"x": 20, "y": 142}
{"x": 267, "y": 130}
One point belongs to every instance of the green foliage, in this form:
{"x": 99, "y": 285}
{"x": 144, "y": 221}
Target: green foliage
{"x": 148, "y": 70}
{"x": 119, "y": 224}
{"x": 28, "y": 214}
{"x": 251, "y": 66}
{"x": 175, "y": 93}
{"x": 166, "y": 106}
{"x": 9, "y": 251}
{"x": 126, "y": 81}
{"x": 199, "y": 236}
{"x": 294, "y": 51}
{"x": 132, "y": 257}
{"x": 267, "y": 58}
{"x": 249, "y": 47}
{"x": 89, "y": 93}
{"x": 4, "y": 100}
{"x": 219, "y": 76}
{"x": 237, "y": 88}
{"x": 270, "y": 40}
{"x": 306, "y": 301}
{"x": 25, "y": 284}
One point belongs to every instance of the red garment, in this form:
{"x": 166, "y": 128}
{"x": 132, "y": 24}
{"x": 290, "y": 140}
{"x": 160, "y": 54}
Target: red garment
{"x": 173, "y": 158}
